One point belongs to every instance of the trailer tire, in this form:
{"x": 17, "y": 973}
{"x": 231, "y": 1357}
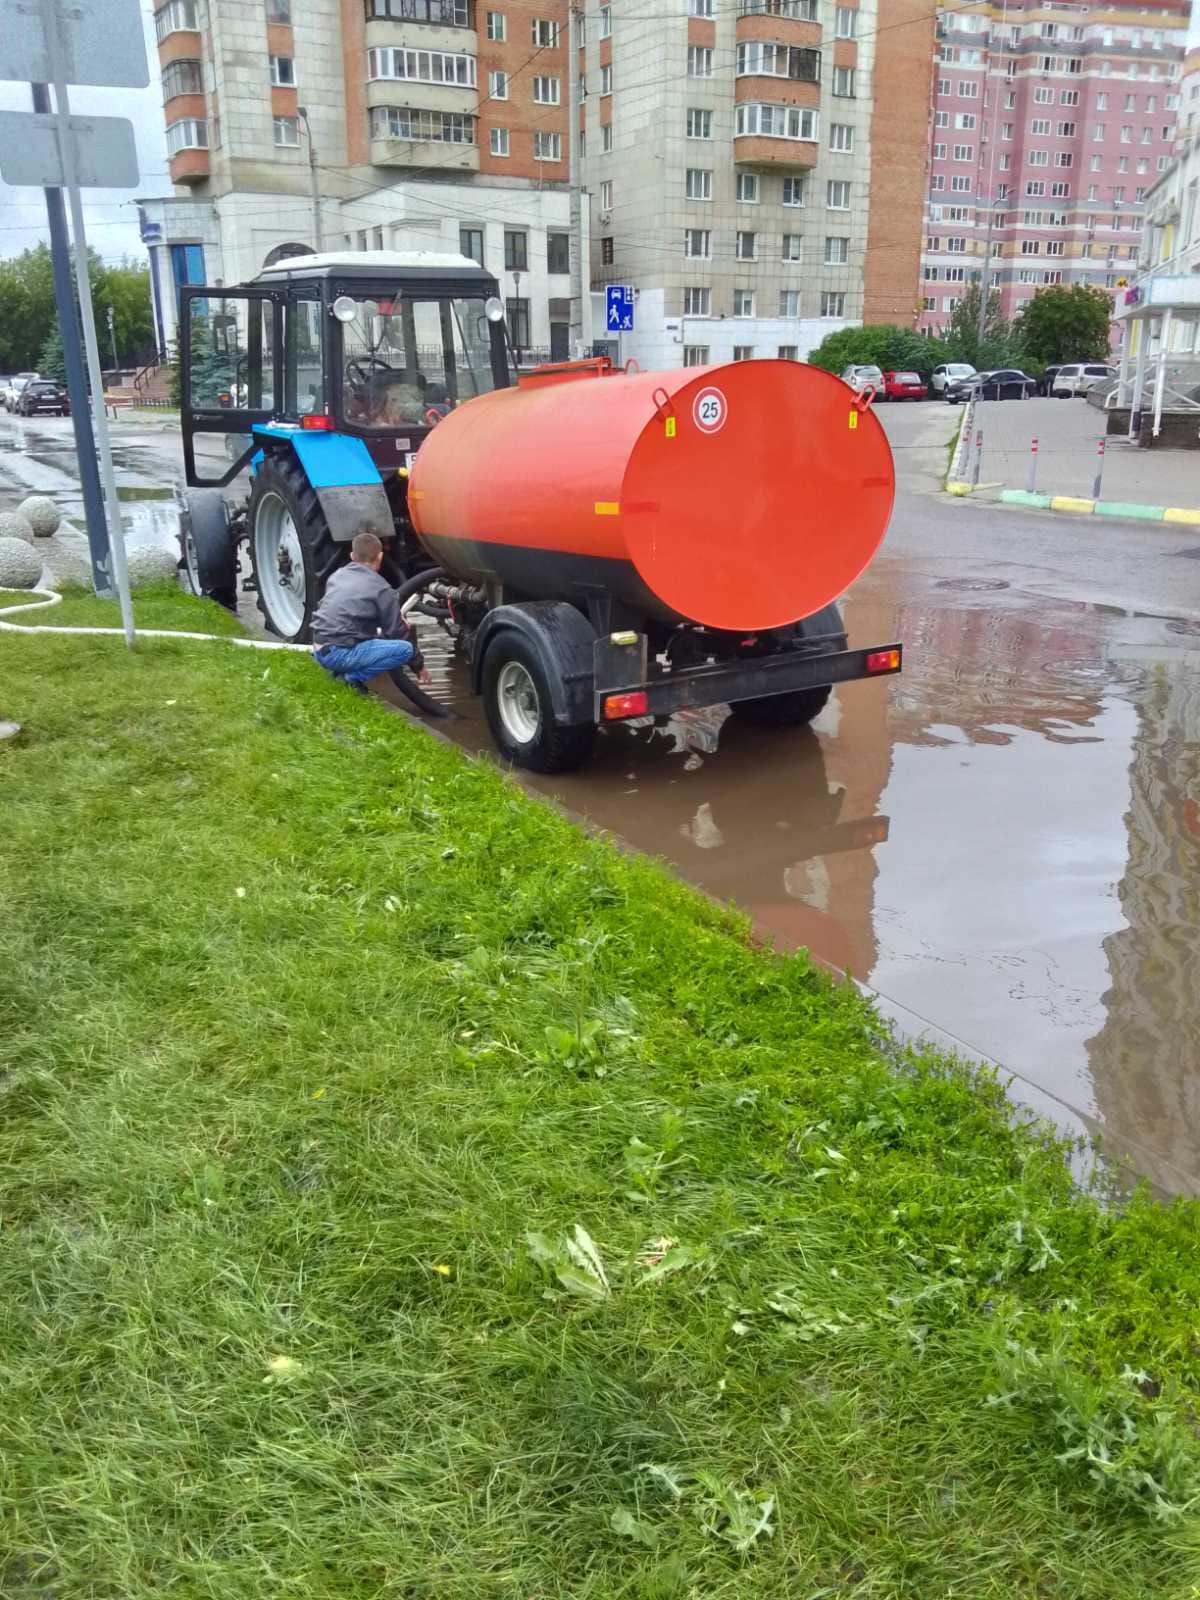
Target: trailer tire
{"x": 519, "y": 709}
{"x": 794, "y": 710}
{"x": 292, "y": 552}
{"x": 208, "y": 547}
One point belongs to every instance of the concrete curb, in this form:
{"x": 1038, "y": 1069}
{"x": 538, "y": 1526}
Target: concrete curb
{"x": 1087, "y": 508}
{"x": 955, "y": 477}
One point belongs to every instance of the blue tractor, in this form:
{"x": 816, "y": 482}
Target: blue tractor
{"x": 320, "y": 379}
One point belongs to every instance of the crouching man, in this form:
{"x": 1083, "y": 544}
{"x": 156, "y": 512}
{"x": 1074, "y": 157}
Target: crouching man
{"x": 357, "y": 629}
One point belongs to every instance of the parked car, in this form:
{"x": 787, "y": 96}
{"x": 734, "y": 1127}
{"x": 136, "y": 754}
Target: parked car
{"x": 43, "y": 397}
{"x": 950, "y": 372}
{"x": 859, "y": 376}
{"x": 1078, "y": 378}
{"x": 1047, "y": 378}
{"x": 903, "y": 386}
{"x": 998, "y": 383}
{"x": 11, "y": 392}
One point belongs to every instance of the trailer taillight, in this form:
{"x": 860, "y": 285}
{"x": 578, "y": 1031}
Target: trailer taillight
{"x": 634, "y": 704}
{"x": 883, "y": 661}
{"x": 317, "y": 422}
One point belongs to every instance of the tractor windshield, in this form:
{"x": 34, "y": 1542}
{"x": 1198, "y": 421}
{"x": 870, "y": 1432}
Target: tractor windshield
{"x": 410, "y": 361}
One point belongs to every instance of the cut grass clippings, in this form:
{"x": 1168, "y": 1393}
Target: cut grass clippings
{"x": 403, "y": 1194}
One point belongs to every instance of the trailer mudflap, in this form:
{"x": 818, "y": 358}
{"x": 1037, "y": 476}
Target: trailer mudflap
{"x": 696, "y": 687}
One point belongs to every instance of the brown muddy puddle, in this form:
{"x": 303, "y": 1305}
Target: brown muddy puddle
{"x": 1004, "y": 843}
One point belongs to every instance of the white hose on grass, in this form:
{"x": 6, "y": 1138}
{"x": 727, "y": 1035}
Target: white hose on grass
{"x": 50, "y": 598}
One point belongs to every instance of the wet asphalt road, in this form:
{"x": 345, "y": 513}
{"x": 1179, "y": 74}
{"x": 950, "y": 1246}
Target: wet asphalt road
{"x": 1004, "y": 842}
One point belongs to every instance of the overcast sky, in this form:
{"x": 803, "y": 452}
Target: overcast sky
{"x": 110, "y": 215}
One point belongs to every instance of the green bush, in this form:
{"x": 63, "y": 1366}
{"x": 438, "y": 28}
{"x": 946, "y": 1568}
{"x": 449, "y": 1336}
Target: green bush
{"x": 889, "y": 347}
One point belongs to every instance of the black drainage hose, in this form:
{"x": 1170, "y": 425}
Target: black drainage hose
{"x": 423, "y": 702}
{"x": 422, "y": 580}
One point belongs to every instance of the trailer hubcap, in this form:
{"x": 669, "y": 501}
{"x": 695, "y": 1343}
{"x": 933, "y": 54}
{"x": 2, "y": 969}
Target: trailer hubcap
{"x": 517, "y": 702}
{"x": 279, "y": 564}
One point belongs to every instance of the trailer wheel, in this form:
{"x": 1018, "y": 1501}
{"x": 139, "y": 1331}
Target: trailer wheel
{"x": 291, "y": 549}
{"x": 793, "y": 710}
{"x": 517, "y": 700}
{"x": 208, "y": 547}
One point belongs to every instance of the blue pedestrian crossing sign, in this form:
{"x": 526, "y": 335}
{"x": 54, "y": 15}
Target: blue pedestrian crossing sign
{"x": 618, "y": 302}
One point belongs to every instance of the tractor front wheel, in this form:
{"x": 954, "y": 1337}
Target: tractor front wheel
{"x": 291, "y": 550}
{"x": 209, "y": 548}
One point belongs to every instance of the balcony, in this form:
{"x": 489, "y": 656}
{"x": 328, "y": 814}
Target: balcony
{"x": 404, "y": 136}
{"x": 189, "y": 166}
{"x": 771, "y": 135}
{"x": 439, "y": 13}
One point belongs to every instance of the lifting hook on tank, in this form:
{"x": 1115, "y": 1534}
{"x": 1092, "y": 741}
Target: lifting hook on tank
{"x": 632, "y": 365}
{"x": 664, "y": 410}
{"x": 863, "y": 398}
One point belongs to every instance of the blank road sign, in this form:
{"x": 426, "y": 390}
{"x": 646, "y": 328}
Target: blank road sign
{"x": 105, "y": 152}
{"x": 102, "y": 43}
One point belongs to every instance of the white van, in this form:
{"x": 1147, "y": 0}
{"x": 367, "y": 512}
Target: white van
{"x": 1078, "y": 379}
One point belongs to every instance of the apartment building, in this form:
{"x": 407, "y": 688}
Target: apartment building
{"x": 725, "y": 145}
{"x": 425, "y": 124}
{"x": 1051, "y": 123}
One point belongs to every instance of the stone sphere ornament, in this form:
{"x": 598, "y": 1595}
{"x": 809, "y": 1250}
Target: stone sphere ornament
{"x": 41, "y": 514}
{"x": 149, "y": 563}
{"x": 14, "y": 526}
{"x": 20, "y": 565}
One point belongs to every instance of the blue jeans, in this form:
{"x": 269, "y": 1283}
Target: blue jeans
{"x": 358, "y": 662}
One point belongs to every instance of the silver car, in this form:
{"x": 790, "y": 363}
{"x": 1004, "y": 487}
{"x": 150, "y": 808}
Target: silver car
{"x": 860, "y": 376}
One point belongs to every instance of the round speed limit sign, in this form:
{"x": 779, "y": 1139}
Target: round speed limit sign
{"x": 710, "y": 410}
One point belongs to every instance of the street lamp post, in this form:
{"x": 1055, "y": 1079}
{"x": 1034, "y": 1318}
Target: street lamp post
{"x": 318, "y": 230}
{"x": 985, "y": 277}
{"x": 112, "y": 334}
{"x": 517, "y": 317}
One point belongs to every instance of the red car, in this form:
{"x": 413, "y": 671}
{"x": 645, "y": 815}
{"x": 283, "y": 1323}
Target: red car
{"x": 903, "y": 386}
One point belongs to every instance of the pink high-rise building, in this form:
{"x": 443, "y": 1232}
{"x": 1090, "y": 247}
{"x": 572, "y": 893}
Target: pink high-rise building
{"x": 1050, "y": 122}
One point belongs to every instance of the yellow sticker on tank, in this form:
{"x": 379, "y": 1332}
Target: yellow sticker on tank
{"x": 853, "y": 419}
{"x": 608, "y": 508}
{"x": 670, "y": 427}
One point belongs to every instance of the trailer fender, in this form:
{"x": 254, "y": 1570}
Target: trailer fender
{"x": 346, "y": 481}
{"x": 563, "y": 638}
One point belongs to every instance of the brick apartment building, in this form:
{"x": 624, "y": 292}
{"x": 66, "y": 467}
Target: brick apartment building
{"x": 1051, "y": 123}
{"x": 436, "y": 125}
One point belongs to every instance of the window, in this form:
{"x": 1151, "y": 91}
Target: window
{"x": 470, "y": 243}
{"x": 1064, "y": 158}
{"x": 1060, "y": 191}
{"x": 747, "y": 188}
{"x": 1065, "y": 130}
{"x": 558, "y": 252}
{"x": 283, "y": 71}
{"x": 929, "y": 303}
{"x": 964, "y": 121}
{"x": 547, "y": 91}
{"x": 789, "y": 352}
{"x": 498, "y": 85}
{"x": 547, "y": 147}
{"x": 939, "y": 152}
{"x": 1043, "y": 97}
{"x": 1039, "y": 127}
{"x": 1101, "y": 101}
{"x": 1031, "y": 247}
{"x": 1006, "y": 130}
{"x": 746, "y": 246}
{"x": 699, "y": 123}
{"x": 695, "y": 355}
{"x": 959, "y": 214}
{"x": 697, "y": 302}
{"x": 843, "y": 85}
{"x": 1093, "y": 191}
{"x": 794, "y": 191}
{"x": 175, "y": 16}
{"x": 606, "y": 195}
{"x": 450, "y": 13}
{"x": 700, "y": 8}
{"x": 1055, "y": 247}
{"x": 605, "y": 80}
{"x": 496, "y": 26}
{"x": 1051, "y": 277}
{"x": 606, "y": 252}
{"x": 743, "y": 352}
{"x": 837, "y": 252}
{"x": 789, "y": 302}
{"x": 792, "y": 245}
{"x": 191, "y": 133}
{"x": 517, "y": 316}
{"x": 960, "y": 185}
{"x": 422, "y": 66}
{"x": 941, "y": 119}
{"x": 964, "y": 152}
{"x": 1130, "y": 103}
{"x": 956, "y": 274}
{"x": 1039, "y": 158}
{"x": 699, "y": 61}
{"x": 968, "y": 90}
{"x": 606, "y": 138}
{"x": 1069, "y": 97}
{"x": 606, "y": 22}
{"x": 1096, "y": 163}
{"x": 516, "y": 250}
{"x": 774, "y": 121}
{"x": 544, "y": 34}
{"x": 1143, "y": 165}
{"x": 697, "y": 244}
{"x": 800, "y": 10}
{"x": 279, "y": 10}
{"x": 286, "y": 131}
{"x": 182, "y": 77}
{"x": 943, "y": 86}
{"x": 1006, "y": 161}
{"x": 1126, "y": 134}
{"x": 841, "y": 137}
{"x": 837, "y": 195}
{"x": 1035, "y": 188}
{"x": 833, "y": 303}
{"x": 698, "y": 183}
{"x": 498, "y": 143}
{"x": 743, "y": 302}
{"x": 937, "y": 183}
{"x": 956, "y": 246}
{"x": 1147, "y": 135}
{"x": 1098, "y": 132}
{"x": 759, "y": 60}
{"x": 845, "y": 23}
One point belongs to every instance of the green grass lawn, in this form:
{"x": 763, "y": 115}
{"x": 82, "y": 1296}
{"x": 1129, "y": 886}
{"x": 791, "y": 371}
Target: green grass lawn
{"x": 402, "y": 1194}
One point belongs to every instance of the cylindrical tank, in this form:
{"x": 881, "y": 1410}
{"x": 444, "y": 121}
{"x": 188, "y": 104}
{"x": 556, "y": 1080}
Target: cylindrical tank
{"x": 741, "y": 497}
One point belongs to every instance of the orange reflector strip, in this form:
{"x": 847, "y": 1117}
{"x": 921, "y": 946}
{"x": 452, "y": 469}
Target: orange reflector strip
{"x": 317, "y": 422}
{"x": 608, "y": 508}
{"x": 634, "y": 704}
{"x": 883, "y": 661}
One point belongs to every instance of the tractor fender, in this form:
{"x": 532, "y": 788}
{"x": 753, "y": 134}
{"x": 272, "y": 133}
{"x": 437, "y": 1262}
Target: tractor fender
{"x": 344, "y": 478}
{"x": 563, "y": 638}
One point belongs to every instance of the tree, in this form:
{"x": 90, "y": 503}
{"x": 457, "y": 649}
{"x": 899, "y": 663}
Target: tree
{"x": 1066, "y": 323}
{"x": 50, "y": 362}
{"x": 999, "y": 346}
{"x": 29, "y": 315}
{"x": 891, "y": 348}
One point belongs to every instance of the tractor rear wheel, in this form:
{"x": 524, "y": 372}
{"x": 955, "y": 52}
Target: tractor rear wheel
{"x": 291, "y": 549}
{"x": 209, "y": 548}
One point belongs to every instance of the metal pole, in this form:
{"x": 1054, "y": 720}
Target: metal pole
{"x": 314, "y": 182}
{"x": 975, "y": 470}
{"x": 575, "y": 332}
{"x": 81, "y": 421}
{"x": 62, "y": 105}
{"x": 1160, "y": 377}
{"x": 112, "y": 334}
{"x": 985, "y": 281}
{"x": 1099, "y": 470}
{"x": 1139, "y": 379}
{"x": 1033, "y": 455}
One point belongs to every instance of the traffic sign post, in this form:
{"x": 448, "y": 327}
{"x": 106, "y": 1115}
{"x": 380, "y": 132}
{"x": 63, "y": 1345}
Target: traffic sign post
{"x": 99, "y": 44}
{"x": 618, "y": 307}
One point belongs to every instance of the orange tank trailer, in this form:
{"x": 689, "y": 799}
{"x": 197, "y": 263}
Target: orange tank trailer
{"x": 742, "y": 497}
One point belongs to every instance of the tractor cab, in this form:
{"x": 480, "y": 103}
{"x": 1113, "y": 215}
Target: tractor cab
{"x": 330, "y": 370}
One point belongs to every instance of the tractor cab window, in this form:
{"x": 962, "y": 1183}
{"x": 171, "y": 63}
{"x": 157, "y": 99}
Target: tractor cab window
{"x": 304, "y": 389}
{"x": 230, "y": 361}
{"x": 408, "y": 362}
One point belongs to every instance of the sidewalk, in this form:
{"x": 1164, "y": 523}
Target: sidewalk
{"x": 1067, "y": 432}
